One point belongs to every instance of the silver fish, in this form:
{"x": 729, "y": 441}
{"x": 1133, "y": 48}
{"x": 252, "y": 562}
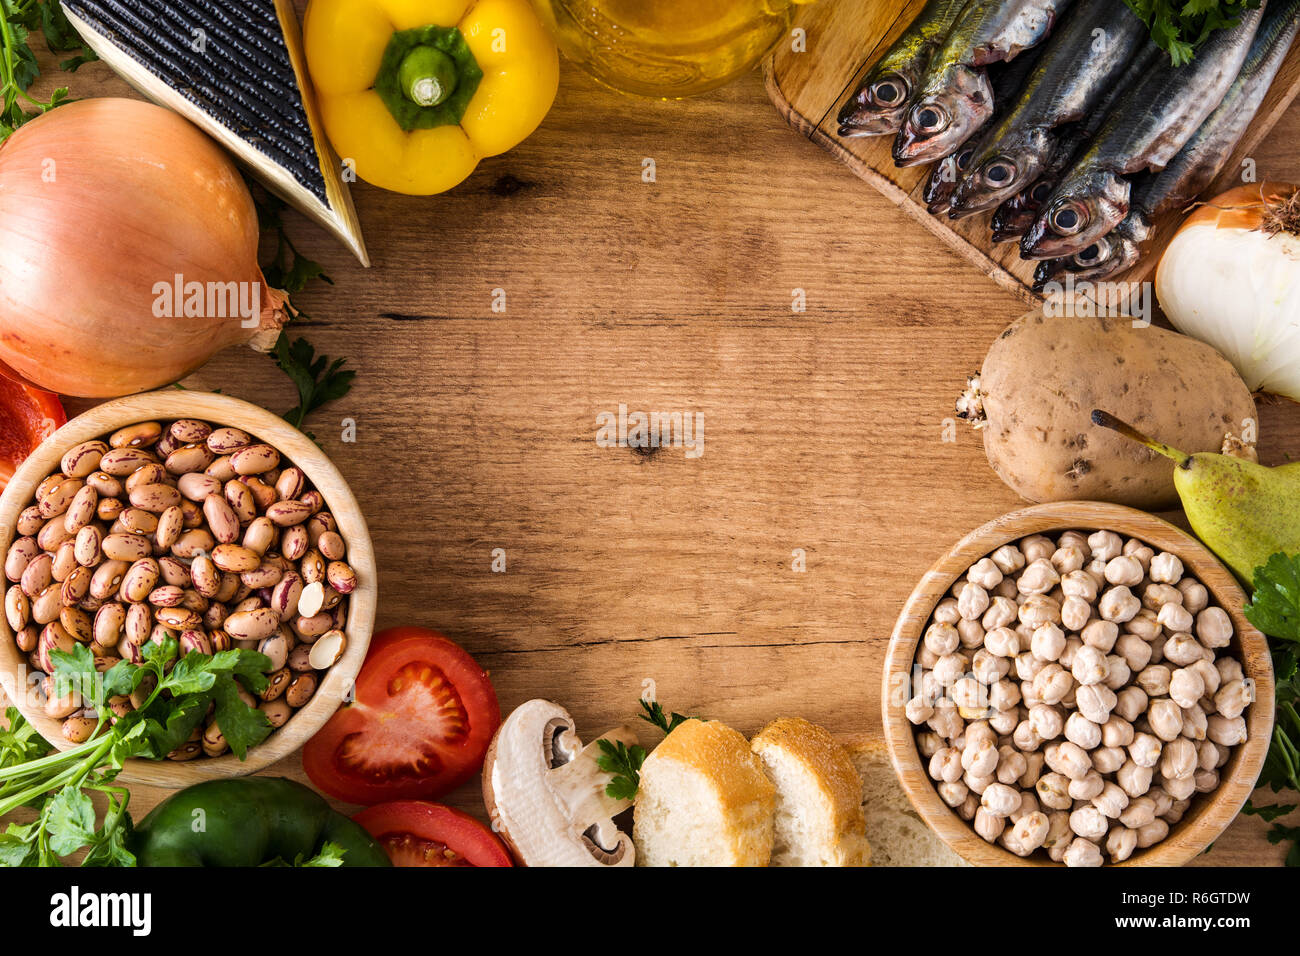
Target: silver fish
{"x": 1152, "y": 122}
{"x": 956, "y": 97}
{"x": 1197, "y": 165}
{"x": 877, "y": 106}
{"x": 1080, "y": 63}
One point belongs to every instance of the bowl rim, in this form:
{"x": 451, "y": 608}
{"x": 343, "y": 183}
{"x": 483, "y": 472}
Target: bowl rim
{"x": 219, "y": 410}
{"x": 1209, "y": 815}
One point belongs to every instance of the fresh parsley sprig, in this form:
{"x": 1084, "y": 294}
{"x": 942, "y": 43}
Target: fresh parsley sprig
{"x": 624, "y": 763}
{"x": 654, "y": 714}
{"x": 20, "y": 20}
{"x": 1275, "y": 610}
{"x": 1181, "y": 26}
{"x": 178, "y": 693}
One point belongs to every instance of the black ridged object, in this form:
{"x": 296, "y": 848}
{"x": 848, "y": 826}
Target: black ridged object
{"x": 229, "y": 59}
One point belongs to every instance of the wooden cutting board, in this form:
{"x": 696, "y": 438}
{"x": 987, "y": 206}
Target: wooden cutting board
{"x": 844, "y": 38}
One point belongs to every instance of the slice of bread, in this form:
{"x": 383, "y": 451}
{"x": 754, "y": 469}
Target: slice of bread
{"x": 704, "y": 801}
{"x": 899, "y": 837}
{"x": 819, "y": 818}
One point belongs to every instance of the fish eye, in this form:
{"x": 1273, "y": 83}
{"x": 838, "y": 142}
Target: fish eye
{"x": 1041, "y": 193}
{"x": 999, "y": 173}
{"x": 1069, "y": 219}
{"x": 929, "y": 119}
{"x": 964, "y": 157}
{"x": 889, "y": 92}
{"x": 1096, "y": 253}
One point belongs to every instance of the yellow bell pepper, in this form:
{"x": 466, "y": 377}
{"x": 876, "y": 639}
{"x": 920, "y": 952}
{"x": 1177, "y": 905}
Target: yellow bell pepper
{"x": 414, "y": 93}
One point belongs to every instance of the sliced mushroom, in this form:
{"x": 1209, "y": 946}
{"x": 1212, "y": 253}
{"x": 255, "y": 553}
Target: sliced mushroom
{"x": 546, "y": 794}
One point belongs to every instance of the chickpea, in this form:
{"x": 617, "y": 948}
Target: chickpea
{"x": 946, "y": 722}
{"x": 1180, "y": 788}
{"x": 1120, "y": 843}
{"x": 1118, "y": 673}
{"x": 977, "y": 784}
{"x": 1206, "y": 781}
{"x": 1209, "y": 674}
{"x": 1135, "y": 651}
{"x": 1047, "y": 721}
{"x": 972, "y": 601}
{"x": 1012, "y": 765}
{"x": 1226, "y": 731}
{"x": 950, "y": 668}
{"x": 989, "y": 825}
{"x": 1233, "y": 698}
{"x": 1072, "y": 645}
{"x": 1009, "y": 559}
{"x": 1144, "y": 555}
{"x": 1145, "y": 625}
{"x": 1031, "y": 830}
{"x": 928, "y": 743}
{"x": 1100, "y": 635}
{"x": 1162, "y": 800}
{"x": 1229, "y": 669}
{"x": 1145, "y": 749}
{"x": 1095, "y": 702}
{"x": 1116, "y": 732}
{"x": 945, "y": 765}
{"x": 1183, "y": 649}
{"x": 1089, "y": 666}
{"x": 1135, "y": 780}
{"x": 941, "y": 639}
{"x": 1053, "y": 791}
{"x": 1000, "y": 800}
{"x": 1004, "y": 722}
{"x": 969, "y": 694}
{"x": 1108, "y": 759}
{"x": 1002, "y": 642}
{"x": 1047, "y": 642}
{"x": 1028, "y": 665}
{"x": 1002, "y": 612}
{"x": 1037, "y": 547}
{"x": 1131, "y": 702}
{"x": 1152, "y": 833}
{"x": 980, "y": 757}
{"x": 1154, "y": 680}
{"x": 1105, "y": 545}
{"x": 968, "y": 808}
{"x": 953, "y": 793}
{"x": 1125, "y": 570}
{"x": 1068, "y": 559}
{"x": 1040, "y": 609}
{"x": 1079, "y": 584}
{"x": 918, "y": 711}
{"x": 1068, "y": 758}
{"x": 1025, "y": 737}
{"x": 1075, "y": 613}
{"x": 1082, "y": 731}
{"x": 1038, "y": 578}
{"x": 1053, "y": 683}
{"x": 1175, "y": 618}
{"x": 1156, "y": 596}
{"x": 1214, "y": 627}
{"x": 1207, "y": 755}
{"x": 987, "y": 668}
{"x": 1166, "y": 719}
{"x": 1178, "y": 760}
{"x": 1119, "y": 604}
{"x": 946, "y": 612}
{"x": 1086, "y": 787}
{"x": 1003, "y": 696}
{"x": 1186, "y": 687}
{"x": 1082, "y": 852}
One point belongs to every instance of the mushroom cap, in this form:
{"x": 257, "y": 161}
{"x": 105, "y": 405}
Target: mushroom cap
{"x": 545, "y": 795}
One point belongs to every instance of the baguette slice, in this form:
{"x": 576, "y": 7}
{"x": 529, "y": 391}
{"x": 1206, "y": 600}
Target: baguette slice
{"x": 898, "y": 835}
{"x": 704, "y": 801}
{"x": 819, "y": 819}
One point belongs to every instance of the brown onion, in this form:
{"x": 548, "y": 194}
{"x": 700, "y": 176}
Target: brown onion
{"x": 103, "y": 203}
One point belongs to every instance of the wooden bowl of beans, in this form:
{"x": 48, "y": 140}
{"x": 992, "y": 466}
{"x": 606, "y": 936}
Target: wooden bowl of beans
{"x": 1076, "y": 683}
{"x": 196, "y": 517}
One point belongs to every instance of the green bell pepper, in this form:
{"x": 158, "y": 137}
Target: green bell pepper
{"x": 252, "y": 821}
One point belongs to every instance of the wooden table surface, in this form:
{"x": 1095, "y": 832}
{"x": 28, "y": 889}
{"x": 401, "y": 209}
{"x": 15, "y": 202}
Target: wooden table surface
{"x": 828, "y": 432}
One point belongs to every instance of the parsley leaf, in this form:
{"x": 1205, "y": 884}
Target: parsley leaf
{"x": 20, "y": 21}
{"x": 624, "y": 763}
{"x": 654, "y": 714}
{"x": 318, "y": 379}
{"x": 1181, "y": 26}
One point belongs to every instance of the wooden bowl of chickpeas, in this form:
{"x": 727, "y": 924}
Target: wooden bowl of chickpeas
{"x": 200, "y": 517}
{"x": 1075, "y": 683}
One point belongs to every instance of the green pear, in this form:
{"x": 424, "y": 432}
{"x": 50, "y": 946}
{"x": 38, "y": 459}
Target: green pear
{"x": 1243, "y": 511}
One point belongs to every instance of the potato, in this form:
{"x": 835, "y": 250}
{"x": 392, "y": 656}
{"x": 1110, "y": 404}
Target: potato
{"x": 1043, "y": 377}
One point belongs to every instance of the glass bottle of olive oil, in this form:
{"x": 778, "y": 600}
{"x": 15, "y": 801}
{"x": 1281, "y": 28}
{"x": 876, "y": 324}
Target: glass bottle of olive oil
{"x": 667, "y": 48}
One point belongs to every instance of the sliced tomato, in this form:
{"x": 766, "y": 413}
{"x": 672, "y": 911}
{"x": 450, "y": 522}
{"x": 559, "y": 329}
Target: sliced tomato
{"x": 28, "y": 416}
{"x": 420, "y": 725}
{"x": 419, "y": 833}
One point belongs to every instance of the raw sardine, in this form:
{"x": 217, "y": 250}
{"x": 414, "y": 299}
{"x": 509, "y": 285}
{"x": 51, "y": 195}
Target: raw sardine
{"x": 1086, "y": 55}
{"x": 956, "y": 97}
{"x": 1152, "y": 122}
{"x": 1197, "y": 165}
{"x": 877, "y": 107}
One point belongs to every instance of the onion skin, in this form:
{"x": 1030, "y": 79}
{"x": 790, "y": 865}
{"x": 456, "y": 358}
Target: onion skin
{"x": 100, "y": 200}
{"x": 1226, "y": 280}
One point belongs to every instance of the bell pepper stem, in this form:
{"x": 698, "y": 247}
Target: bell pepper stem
{"x": 427, "y": 76}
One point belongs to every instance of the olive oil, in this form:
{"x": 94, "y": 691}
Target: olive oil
{"x": 667, "y": 48}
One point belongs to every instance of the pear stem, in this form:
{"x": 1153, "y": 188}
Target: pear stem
{"x": 1107, "y": 420}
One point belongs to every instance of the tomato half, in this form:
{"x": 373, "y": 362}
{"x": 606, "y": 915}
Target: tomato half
{"x": 420, "y": 725}
{"x": 419, "y": 833}
{"x": 28, "y": 416}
